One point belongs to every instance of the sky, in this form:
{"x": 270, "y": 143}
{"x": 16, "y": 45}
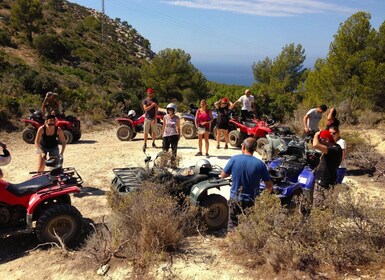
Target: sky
{"x": 238, "y": 32}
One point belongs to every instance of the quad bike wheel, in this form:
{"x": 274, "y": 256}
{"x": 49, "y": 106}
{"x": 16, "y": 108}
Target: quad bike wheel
{"x": 235, "y": 138}
{"x": 222, "y": 136}
{"x": 68, "y": 136}
{"x": 29, "y": 135}
{"x": 158, "y": 133}
{"x": 217, "y": 211}
{"x": 124, "y": 133}
{"x": 62, "y": 220}
{"x": 189, "y": 130}
{"x": 77, "y": 136}
{"x": 261, "y": 146}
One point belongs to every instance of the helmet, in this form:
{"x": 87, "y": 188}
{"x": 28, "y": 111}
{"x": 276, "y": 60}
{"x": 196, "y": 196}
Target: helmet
{"x": 54, "y": 161}
{"x": 131, "y": 113}
{"x": 203, "y": 166}
{"x": 5, "y": 158}
{"x": 171, "y": 106}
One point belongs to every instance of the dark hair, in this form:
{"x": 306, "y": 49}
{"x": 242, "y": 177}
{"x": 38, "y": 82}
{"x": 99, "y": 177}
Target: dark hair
{"x": 334, "y": 127}
{"x": 334, "y": 113}
{"x": 250, "y": 144}
{"x": 323, "y": 107}
{"x": 49, "y": 116}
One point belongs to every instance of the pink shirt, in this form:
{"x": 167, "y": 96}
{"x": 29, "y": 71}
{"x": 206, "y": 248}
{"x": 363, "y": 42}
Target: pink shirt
{"x": 204, "y": 116}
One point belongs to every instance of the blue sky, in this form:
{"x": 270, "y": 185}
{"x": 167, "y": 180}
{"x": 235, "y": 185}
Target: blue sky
{"x": 238, "y": 32}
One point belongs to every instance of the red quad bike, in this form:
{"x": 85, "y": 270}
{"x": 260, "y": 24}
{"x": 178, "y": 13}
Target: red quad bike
{"x": 130, "y": 125}
{"x": 69, "y": 124}
{"x": 42, "y": 205}
{"x": 250, "y": 128}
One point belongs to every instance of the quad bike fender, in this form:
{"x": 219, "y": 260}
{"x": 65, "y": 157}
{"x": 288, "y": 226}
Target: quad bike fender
{"x": 33, "y": 123}
{"x": 56, "y": 193}
{"x": 187, "y": 117}
{"x": 262, "y": 131}
{"x": 64, "y": 124}
{"x": 200, "y": 190}
{"x": 124, "y": 121}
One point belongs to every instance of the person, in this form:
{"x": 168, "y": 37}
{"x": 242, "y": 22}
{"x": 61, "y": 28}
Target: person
{"x": 332, "y": 119}
{"x": 312, "y": 119}
{"x": 5, "y": 158}
{"x": 47, "y": 140}
{"x": 335, "y": 131}
{"x": 3, "y": 145}
{"x": 150, "y": 106}
{"x": 246, "y": 173}
{"x": 171, "y": 130}
{"x": 223, "y": 125}
{"x": 50, "y": 104}
{"x": 203, "y": 120}
{"x": 248, "y": 106}
{"x": 326, "y": 172}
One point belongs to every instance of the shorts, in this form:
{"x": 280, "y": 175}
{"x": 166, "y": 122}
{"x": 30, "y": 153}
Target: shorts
{"x": 225, "y": 126}
{"x": 53, "y": 152}
{"x": 147, "y": 125}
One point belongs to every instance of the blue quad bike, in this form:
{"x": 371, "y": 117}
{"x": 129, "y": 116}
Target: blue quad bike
{"x": 201, "y": 182}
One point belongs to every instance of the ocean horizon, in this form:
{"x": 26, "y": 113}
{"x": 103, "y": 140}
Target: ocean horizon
{"x": 232, "y": 74}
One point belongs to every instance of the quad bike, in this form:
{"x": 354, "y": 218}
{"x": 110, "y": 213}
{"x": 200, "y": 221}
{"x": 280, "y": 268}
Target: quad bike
{"x": 257, "y": 129}
{"x": 130, "y": 125}
{"x": 188, "y": 129}
{"x": 42, "y": 205}
{"x": 197, "y": 181}
{"x": 69, "y": 124}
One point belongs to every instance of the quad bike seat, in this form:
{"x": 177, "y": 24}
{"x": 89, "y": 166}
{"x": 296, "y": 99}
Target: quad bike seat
{"x": 191, "y": 179}
{"x": 249, "y": 124}
{"x": 31, "y": 186}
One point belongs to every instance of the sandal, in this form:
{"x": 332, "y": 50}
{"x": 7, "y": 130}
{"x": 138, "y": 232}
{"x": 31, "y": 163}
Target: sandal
{"x": 198, "y": 154}
{"x": 207, "y": 156}
{"x": 218, "y": 147}
{"x": 226, "y": 147}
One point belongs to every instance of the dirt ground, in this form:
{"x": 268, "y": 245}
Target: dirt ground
{"x": 94, "y": 157}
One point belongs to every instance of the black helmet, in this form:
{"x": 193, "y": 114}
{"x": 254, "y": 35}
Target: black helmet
{"x": 203, "y": 166}
{"x": 5, "y": 158}
{"x": 54, "y": 161}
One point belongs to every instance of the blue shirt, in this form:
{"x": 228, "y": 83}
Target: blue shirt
{"x": 246, "y": 174}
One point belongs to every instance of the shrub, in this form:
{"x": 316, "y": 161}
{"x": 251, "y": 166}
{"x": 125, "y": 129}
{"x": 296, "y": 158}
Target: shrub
{"x": 51, "y": 47}
{"x": 370, "y": 118}
{"x": 349, "y": 232}
{"x": 5, "y": 38}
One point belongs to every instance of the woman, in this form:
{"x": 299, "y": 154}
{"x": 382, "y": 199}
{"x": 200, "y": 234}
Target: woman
{"x": 171, "y": 129}
{"x": 47, "y": 140}
{"x": 334, "y": 130}
{"x": 332, "y": 119}
{"x": 203, "y": 119}
{"x": 50, "y": 104}
{"x": 223, "y": 119}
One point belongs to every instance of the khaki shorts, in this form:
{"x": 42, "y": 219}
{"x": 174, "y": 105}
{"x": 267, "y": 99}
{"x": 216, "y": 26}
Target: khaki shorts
{"x": 147, "y": 125}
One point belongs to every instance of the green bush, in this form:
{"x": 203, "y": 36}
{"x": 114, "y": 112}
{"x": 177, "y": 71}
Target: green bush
{"x": 51, "y": 46}
{"x": 5, "y": 38}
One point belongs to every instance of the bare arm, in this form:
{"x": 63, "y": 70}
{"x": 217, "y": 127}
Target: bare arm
{"x": 317, "y": 145}
{"x": 178, "y": 127}
{"x": 224, "y": 175}
{"x": 216, "y": 104}
{"x": 196, "y": 118}
{"x": 38, "y": 139}
{"x": 269, "y": 185}
{"x": 62, "y": 139}
{"x": 343, "y": 154}
{"x": 164, "y": 125}
{"x": 305, "y": 118}
{"x": 330, "y": 114}
{"x": 2, "y": 145}
{"x": 232, "y": 105}
{"x": 43, "y": 106}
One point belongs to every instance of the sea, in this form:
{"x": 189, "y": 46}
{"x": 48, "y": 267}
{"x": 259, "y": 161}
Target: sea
{"x": 232, "y": 74}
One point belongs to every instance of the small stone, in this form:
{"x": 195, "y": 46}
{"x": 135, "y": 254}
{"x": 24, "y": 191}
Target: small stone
{"x": 103, "y": 270}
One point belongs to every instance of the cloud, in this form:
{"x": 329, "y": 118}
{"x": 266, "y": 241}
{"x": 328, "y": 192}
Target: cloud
{"x": 276, "y": 8}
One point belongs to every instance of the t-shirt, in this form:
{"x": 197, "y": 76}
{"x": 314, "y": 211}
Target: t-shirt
{"x": 342, "y": 144}
{"x": 326, "y": 171}
{"x": 246, "y": 174}
{"x": 223, "y": 115}
{"x": 203, "y": 116}
{"x": 171, "y": 126}
{"x": 246, "y": 102}
{"x": 150, "y": 114}
{"x": 313, "y": 120}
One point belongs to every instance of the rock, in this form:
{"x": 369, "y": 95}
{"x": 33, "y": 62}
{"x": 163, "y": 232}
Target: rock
{"x": 103, "y": 270}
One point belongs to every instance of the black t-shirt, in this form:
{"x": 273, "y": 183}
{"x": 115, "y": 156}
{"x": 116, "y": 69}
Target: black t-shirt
{"x": 326, "y": 171}
{"x": 150, "y": 114}
{"x": 223, "y": 115}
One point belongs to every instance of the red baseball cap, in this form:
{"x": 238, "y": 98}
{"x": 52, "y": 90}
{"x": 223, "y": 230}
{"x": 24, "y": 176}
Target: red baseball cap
{"x": 150, "y": 90}
{"x": 325, "y": 134}
{"x": 224, "y": 99}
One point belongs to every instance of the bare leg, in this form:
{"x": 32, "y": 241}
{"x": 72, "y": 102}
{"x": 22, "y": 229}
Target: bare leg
{"x": 207, "y": 141}
{"x": 219, "y": 131}
{"x": 200, "y": 136}
{"x": 40, "y": 163}
{"x": 226, "y": 133}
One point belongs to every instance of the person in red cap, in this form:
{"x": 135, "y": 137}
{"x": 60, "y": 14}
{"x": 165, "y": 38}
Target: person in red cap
{"x": 326, "y": 171}
{"x": 223, "y": 120}
{"x": 150, "y": 106}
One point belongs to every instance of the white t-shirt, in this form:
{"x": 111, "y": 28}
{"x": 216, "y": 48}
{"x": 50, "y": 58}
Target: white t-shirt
{"x": 342, "y": 144}
{"x": 313, "y": 120}
{"x": 246, "y": 102}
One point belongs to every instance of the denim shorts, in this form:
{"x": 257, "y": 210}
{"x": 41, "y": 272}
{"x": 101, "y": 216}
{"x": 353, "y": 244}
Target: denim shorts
{"x": 51, "y": 151}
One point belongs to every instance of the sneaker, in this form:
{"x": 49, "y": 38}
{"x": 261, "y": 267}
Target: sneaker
{"x": 226, "y": 147}
{"x": 153, "y": 145}
{"x": 218, "y": 147}
{"x": 198, "y": 154}
{"x": 207, "y": 156}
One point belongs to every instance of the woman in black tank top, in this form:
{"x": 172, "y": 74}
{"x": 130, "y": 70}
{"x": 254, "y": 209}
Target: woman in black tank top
{"x": 47, "y": 141}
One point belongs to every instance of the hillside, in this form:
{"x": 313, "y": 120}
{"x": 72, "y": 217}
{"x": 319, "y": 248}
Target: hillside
{"x": 68, "y": 55}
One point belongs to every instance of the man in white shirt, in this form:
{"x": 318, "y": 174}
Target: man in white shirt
{"x": 248, "y": 106}
{"x": 312, "y": 119}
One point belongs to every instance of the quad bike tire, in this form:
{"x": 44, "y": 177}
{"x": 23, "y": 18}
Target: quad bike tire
{"x": 77, "y": 136}
{"x": 158, "y": 132}
{"x": 68, "y": 136}
{"x": 124, "y": 133}
{"x": 29, "y": 135}
{"x": 217, "y": 211}
{"x": 62, "y": 219}
{"x": 235, "y": 138}
{"x": 189, "y": 130}
{"x": 222, "y": 136}
{"x": 261, "y": 146}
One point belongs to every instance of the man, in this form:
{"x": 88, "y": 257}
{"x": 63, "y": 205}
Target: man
{"x": 326, "y": 171}
{"x": 246, "y": 173}
{"x": 150, "y": 106}
{"x": 51, "y": 104}
{"x": 248, "y": 106}
{"x": 312, "y": 119}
